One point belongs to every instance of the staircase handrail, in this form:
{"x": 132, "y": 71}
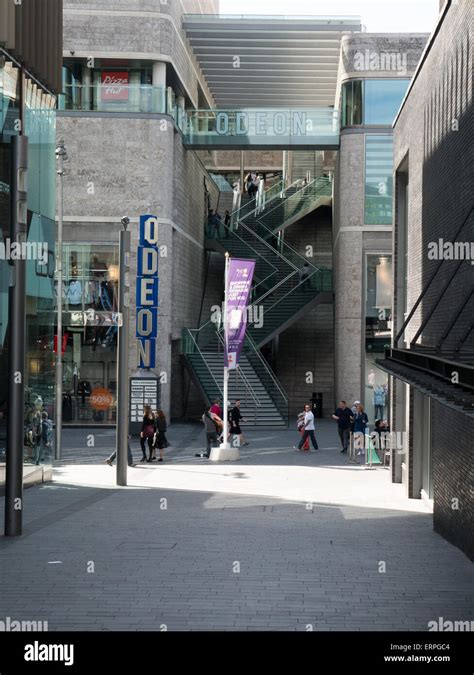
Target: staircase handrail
{"x": 247, "y": 384}
{"x": 190, "y": 332}
{"x": 267, "y": 199}
{"x": 325, "y": 181}
{"x": 302, "y": 281}
{"x": 266, "y": 366}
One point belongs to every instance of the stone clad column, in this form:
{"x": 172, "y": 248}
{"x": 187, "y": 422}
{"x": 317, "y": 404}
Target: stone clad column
{"x": 158, "y": 80}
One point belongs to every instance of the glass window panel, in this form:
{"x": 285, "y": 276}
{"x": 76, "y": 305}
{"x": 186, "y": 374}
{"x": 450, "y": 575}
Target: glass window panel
{"x": 378, "y": 179}
{"x": 352, "y": 103}
{"x": 382, "y": 100}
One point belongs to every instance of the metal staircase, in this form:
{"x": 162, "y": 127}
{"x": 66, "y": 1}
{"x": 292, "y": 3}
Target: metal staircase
{"x": 279, "y": 298}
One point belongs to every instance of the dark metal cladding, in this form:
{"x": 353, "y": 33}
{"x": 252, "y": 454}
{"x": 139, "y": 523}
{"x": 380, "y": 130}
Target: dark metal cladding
{"x": 32, "y": 31}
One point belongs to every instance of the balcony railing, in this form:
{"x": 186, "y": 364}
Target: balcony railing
{"x": 143, "y": 98}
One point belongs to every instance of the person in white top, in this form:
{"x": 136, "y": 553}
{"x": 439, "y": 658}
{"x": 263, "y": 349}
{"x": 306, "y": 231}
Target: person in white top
{"x": 308, "y": 428}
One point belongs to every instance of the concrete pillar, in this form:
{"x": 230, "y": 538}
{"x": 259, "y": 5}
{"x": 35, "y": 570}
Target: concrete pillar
{"x": 86, "y": 88}
{"x": 159, "y": 74}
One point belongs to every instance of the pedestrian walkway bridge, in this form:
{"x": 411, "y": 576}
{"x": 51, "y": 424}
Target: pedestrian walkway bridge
{"x": 259, "y": 128}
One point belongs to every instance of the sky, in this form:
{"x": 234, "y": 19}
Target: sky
{"x": 378, "y": 16}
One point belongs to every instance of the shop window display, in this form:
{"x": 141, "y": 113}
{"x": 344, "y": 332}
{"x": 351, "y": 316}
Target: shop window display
{"x": 89, "y": 361}
{"x": 378, "y": 325}
{"x": 39, "y": 127}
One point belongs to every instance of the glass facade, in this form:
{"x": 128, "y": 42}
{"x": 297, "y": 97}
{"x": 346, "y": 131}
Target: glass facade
{"x": 378, "y": 325}
{"x": 378, "y": 179}
{"x": 90, "y": 273}
{"x": 375, "y": 101}
{"x": 382, "y": 100}
{"x": 39, "y": 127}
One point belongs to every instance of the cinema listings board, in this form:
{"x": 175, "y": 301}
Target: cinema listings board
{"x": 143, "y": 391}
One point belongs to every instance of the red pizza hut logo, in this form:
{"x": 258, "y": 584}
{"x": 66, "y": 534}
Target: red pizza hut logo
{"x": 114, "y": 86}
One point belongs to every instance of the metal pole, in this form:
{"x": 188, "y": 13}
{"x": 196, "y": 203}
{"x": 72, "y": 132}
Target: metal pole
{"x": 242, "y": 186}
{"x": 122, "y": 356}
{"x": 16, "y": 342}
{"x": 61, "y": 155}
{"x": 226, "y": 370}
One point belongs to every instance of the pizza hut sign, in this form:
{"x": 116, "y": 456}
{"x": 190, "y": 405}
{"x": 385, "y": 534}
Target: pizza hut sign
{"x": 114, "y": 86}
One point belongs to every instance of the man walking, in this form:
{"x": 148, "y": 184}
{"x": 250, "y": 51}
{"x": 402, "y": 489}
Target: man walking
{"x": 235, "y": 417}
{"x": 343, "y": 416}
{"x": 308, "y": 428}
{"x": 227, "y": 224}
{"x": 211, "y": 433}
{"x": 304, "y": 275}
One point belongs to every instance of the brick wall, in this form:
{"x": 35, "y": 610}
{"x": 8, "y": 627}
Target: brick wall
{"x": 432, "y": 138}
{"x": 436, "y": 128}
{"x": 453, "y": 476}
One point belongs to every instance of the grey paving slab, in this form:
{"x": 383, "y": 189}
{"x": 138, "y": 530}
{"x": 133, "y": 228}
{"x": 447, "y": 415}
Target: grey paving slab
{"x": 298, "y": 567}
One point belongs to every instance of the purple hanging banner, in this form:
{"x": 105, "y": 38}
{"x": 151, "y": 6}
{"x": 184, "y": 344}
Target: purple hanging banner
{"x": 239, "y": 284}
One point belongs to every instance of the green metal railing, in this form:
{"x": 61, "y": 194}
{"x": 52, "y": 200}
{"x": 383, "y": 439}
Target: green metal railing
{"x": 295, "y": 205}
{"x": 280, "y": 291}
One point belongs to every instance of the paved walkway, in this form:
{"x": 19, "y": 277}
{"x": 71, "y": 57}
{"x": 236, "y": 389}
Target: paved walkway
{"x": 277, "y": 541}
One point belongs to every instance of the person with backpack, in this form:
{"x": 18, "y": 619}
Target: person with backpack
{"x": 147, "y": 433}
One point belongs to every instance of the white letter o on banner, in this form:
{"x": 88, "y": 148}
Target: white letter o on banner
{"x": 144, "y": 322}
{"x": 151, "y": 230}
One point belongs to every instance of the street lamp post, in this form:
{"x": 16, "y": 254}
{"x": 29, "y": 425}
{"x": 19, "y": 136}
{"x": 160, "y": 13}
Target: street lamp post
{"x": 122, "y": 355}
{"x": 16, "y": 342}
{"x": 61, "y": 157}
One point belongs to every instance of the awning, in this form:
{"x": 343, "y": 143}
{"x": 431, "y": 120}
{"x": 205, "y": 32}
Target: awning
{"x": 269, "y": 61}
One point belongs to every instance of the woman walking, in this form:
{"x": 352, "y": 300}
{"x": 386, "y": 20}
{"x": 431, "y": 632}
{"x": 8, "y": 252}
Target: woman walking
{"x": 160, "y": 436}
{"x": 300, "y": 424}
{"x": 147, "y": 433}
{"x": 360, "y": 425}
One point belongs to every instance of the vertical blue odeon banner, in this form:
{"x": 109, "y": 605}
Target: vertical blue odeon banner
{"x": 147, "y": 291}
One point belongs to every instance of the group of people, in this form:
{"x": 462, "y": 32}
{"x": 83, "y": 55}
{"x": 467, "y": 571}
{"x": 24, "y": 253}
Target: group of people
{"x": 252, "y": 181}
{"x": 153, "y": 435}
{"x": 352, "y": 420}
{"x": 214, "y": 222}
{"x": 355, "y": 420}
{"x": 214, "y": 425}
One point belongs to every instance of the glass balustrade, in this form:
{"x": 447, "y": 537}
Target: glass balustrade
{"x": 110, "y": 97}
{"x": 258, "y": 127}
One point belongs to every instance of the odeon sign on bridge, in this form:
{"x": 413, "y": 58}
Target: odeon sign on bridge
{"x": 263, "y": 123}
{"x": 310, "y": 128}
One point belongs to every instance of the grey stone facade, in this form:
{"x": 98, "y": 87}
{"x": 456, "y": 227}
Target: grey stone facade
{"x": 135, "y": 29}
{"x": 131, "y": 164}
{"x": 371, "y": 56}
